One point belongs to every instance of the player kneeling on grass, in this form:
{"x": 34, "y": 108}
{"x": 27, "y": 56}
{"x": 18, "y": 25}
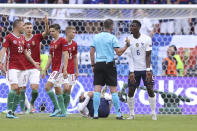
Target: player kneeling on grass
{"x": 85, "y": 106}
{"x": 58, "y": 57}
{"x": 72, "y": 68}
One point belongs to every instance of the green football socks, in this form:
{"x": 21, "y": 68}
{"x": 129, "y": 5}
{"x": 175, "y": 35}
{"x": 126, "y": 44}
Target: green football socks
{"x": 22, "y": 100}
{"x": 61, "y": 103}
{"x": 53, "y": 99}
{"x": 66, "y": 99}
{"x": 34, "y": 95}
{"x": 16, "y": 102}
{"x": 11, "y": 97}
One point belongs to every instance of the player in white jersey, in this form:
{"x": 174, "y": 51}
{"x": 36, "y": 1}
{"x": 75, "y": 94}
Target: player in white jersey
{"x": 139, "y": 54}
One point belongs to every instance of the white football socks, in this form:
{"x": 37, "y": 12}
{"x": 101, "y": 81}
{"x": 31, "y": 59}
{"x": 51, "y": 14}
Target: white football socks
{"x": 131, "y": 104}
{"x": 152, "y": 101}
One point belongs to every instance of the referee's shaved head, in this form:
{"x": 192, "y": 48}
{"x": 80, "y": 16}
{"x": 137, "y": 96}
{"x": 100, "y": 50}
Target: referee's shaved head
{"x": 108, "y": 24}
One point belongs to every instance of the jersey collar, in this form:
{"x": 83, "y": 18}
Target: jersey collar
{"x": 70, "y": 43}
{"x": 15, "y": 35}
{"x": 29, "y": 38}
{"x": 56, "y": 40}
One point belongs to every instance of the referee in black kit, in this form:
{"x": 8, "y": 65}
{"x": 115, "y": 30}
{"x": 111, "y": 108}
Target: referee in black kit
{"x": 104, "y": 44}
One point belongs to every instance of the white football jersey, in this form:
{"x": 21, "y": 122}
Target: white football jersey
{"x": 137, "y": 52}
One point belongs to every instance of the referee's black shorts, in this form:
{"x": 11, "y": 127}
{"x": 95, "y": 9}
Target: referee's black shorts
{"x": 105, "y": 74}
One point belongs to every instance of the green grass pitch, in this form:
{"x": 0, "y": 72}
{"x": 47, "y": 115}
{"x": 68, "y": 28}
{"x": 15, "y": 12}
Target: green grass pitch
{"x": 73, "y": 122}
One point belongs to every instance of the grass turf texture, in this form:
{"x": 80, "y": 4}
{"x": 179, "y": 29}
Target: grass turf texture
{"x": 41, "y": 122}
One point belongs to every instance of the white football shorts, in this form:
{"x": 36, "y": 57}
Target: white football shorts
{"x": 33, "y": 75}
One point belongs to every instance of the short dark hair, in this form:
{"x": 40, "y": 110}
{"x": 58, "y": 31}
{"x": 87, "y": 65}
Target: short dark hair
{"x": 81, "y": 100}
{"x": 108, "y": 23}
{"x": 175, "y": 49}
{"x": 137, "y": 22}
{"x": 55, "y": 26}
{"x": 16, "y": 22}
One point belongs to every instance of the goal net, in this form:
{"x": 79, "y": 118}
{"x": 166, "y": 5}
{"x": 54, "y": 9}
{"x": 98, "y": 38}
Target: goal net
{"x": 166, "y": 24}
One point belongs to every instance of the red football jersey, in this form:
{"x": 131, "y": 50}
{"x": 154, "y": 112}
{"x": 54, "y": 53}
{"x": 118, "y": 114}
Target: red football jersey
{"x": 15, "y": 51}
{"x": 56, "y": 51}
{"x": 33, "y": 47}
{"x": 72, "y": 51}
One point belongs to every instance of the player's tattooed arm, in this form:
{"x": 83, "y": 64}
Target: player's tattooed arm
{"x": 76, "y": 65}
{"x": 30, "y": 59}
{"x": 47, "y": 66}
{"x": 2, "y": 53}
{"x": 131, "y": 67}
{"x": 148, "y": 59}
{"x": 92, "y": 52}
{"x": 46, "y": 30}
{"x": 148, "y": 62}
{"x": 48, "y": 63}
{"x": 4, "y": 68}
{"x": 65, "y": 64}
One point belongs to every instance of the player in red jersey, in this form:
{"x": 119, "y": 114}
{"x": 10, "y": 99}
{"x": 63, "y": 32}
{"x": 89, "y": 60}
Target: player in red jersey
{"x": 58, "y": 57}
{"x": 16, "y": 57}
{"x": 72, "y": 68}
{"x": 32, "y": 44}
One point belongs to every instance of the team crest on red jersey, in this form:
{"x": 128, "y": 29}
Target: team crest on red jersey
{"x": 14, "y": 41}
{"x": 55, "y": 47}
{"x": 28, "y": 45}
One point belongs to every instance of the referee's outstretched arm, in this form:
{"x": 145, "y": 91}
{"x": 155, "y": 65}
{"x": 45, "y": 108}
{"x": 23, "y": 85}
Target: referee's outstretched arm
{"x": 120, "y": 51}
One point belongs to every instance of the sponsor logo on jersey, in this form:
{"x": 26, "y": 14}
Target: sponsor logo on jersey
{"x": 137, "y": 44}
{"x": 15, "y": 42}
{"x": 142, "y": 44}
